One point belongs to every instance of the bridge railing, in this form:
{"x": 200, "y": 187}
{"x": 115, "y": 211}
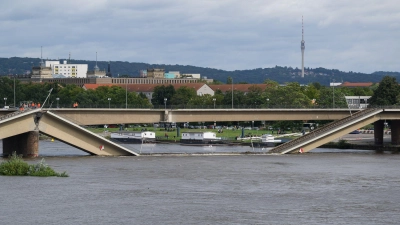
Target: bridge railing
{"x": 14, "y": 113}
{"x": 322, "y": 130}
{"x": 173, "y": 107}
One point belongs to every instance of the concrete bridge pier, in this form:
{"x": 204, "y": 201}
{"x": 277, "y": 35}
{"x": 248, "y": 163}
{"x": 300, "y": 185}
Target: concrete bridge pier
{"x": 395, "y": 131}
{"x": 25, "y": 144}
{"x": 378, "y": 132}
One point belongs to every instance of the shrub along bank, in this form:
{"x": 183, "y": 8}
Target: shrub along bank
{"x": 15, "y": 166}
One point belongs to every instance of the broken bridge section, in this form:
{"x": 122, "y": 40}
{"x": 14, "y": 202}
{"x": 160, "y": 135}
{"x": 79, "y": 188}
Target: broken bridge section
{"x": 329, "y": 132}
{"x": 20, "y": 133}
{"x": 72, "y": 134}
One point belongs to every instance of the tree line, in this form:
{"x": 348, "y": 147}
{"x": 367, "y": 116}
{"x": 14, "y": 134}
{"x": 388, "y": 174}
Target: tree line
{"x": 290, "y": 95}
{"x": 281, "y": 74}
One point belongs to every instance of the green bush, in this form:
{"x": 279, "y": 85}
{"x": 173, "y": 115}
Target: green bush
{"x": 342, "y": 144}
{"x": 15, "y": 166}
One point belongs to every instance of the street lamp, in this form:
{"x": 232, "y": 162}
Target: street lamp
{"x": 333, "y": 94}
{"x": 5, "y": 102}
{"x": 232, "y": 93}
{"x": 14, "y": 91}
{"x": 109, "y": 100}
{"x": 126, "y": 93}
{"x": 214, "y": 102}
{"x": 165, "y": 103}
{"x": 58, "y": 99}
{"x": 267, "y": 102}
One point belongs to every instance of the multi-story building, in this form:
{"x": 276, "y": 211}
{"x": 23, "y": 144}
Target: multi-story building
{"x": 67, "y": 70}
{"x": 155, "y": 73}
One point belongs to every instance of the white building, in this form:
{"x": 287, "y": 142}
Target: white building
{"x": 67, "y": 70}
{"x": 357, "y": 102}
{"x": 191, "y": 75}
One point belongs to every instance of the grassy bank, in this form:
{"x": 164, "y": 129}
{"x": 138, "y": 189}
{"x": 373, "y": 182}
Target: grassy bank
{"x": 161, "y": 133}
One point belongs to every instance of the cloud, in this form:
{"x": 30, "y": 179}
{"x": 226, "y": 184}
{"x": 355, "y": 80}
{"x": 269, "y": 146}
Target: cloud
{"x": 356, "y": 35}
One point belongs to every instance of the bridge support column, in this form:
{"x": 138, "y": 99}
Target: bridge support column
{"x": 395, "y": 131}
{"x": 26, "y": 144}
{"x": 378, "y": 132}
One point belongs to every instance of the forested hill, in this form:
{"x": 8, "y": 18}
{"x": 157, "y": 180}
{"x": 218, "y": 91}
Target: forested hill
{"x": 17, "y": 65}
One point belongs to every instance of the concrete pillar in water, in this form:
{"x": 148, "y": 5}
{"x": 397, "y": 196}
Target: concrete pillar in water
{"x": 395, "y": 131}
{"x": 378, "y": 132}
{"x": 26, "y": 144}
{"x": 10, "y": 145}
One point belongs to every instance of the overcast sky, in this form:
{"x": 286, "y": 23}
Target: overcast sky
{"x": 349, "y": 35}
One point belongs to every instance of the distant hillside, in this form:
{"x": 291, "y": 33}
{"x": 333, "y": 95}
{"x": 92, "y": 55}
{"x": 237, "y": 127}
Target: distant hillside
{"x": 17, "y": 65}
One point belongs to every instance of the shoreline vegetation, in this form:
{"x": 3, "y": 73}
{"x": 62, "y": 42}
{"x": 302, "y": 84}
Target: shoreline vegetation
{"x": 16, "y": 166}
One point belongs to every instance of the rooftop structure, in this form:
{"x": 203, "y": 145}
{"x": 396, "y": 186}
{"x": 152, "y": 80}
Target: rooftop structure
{"x": 96, "y": 72}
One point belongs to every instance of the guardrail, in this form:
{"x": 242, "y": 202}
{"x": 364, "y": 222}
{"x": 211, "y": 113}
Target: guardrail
{"x": 173, "y": 107}
{"x": 12, "y": 114}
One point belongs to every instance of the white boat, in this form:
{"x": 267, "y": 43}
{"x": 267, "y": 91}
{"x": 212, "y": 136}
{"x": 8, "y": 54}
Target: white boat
{"x": 267, "y": 140}
{"x": 134, "y": 136}
{"x": 201, "y": 138}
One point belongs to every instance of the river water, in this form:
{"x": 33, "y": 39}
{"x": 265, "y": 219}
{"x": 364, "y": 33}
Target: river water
{"x": 325, "y": 186}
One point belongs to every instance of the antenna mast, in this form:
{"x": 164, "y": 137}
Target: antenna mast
{"x": 302, "y": 47}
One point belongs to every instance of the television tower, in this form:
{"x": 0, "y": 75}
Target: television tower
{"x": 302, "y": 47}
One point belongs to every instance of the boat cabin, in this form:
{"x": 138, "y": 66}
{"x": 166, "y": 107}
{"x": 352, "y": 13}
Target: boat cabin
{"x": 269, "y": 138}
{"x": 134, "y": 134}
{"x": 199, "y": 136}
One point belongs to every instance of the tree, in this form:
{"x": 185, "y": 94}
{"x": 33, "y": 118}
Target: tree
{"x": 68, "y": 94}
{"x": 254, "y": 96}
{"x": 161, "y": 92}
{"x": 239, "y": 98}
{"x": 205, "y": 100}
{"x": 291, "y": 95}
{"x": 387, "y": 92}
{"x": 183, "y": 95}
{"x": 229, "y": 80}
{"x": 331, "y": 97}
{"x": 7, "y": 91}
{"x": 312, "y": 90}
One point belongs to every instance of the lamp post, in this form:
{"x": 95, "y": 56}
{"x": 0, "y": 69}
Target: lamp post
{"x": 333, "y": 94}
{"x": 5, "y": 102}
{"x": 126, "y": 93}
{"x": 109, "y": 100}
{"x": 58, "y": 99}
{"x": 214, "y": 102}
{"x": 14, "y": 92}
{"x": 165, "y": 103}
{"x": 232, "y": 93}
{"x": 267, "y": 102}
